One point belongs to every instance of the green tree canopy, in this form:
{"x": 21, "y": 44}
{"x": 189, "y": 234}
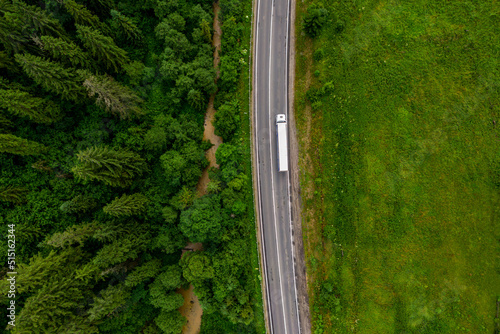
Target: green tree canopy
{"x": 113, "y": 167}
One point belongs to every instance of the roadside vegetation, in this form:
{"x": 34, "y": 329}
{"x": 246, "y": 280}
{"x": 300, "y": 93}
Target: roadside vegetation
{"x": 397, "y": 108}
{"x": 102, "y": 106}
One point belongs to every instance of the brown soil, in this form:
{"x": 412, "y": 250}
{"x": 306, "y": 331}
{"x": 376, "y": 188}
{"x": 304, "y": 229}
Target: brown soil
{"x": 192, "y": 309}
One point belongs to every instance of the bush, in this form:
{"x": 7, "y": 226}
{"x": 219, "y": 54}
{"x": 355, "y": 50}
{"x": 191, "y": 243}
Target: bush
{"x": 314, "y": 21}
{"x": 318, "y": 54}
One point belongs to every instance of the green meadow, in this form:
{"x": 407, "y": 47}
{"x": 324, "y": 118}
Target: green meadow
{"x": 398, "y": 112}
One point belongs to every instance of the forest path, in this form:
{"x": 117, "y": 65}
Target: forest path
{"x": 192, "y": 309}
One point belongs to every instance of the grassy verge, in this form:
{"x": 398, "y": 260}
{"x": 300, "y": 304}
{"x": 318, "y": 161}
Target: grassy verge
{"x": 400, "y": 166}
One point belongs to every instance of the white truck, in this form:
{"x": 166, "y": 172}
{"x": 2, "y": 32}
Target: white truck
{"x": 282, "y": 142}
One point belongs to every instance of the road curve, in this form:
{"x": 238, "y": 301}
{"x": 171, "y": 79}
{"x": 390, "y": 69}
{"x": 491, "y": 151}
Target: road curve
{"x": 273, "y": 188}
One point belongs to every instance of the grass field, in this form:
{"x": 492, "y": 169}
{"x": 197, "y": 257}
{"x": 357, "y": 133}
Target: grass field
{"x": 400, "y": 165}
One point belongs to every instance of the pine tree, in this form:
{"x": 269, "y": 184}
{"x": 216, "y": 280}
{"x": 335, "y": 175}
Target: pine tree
{"x": 113, "y": 167}
{"x": 5, "y": 124}
{"x": 113, "y": 97}
{"x": 80, "y": 203}
{"x": 52, "y": 76}
{"x": 127, "y": 205}
{"x": 110, "y": 300}
{"x": 24, "y": 104}
{"x": 102, "y": 47}
{"x": 62, "y": 50}
{"x": 12, "y": 194}
{"x": 20, "y": 146}
{"x": 34, "y": 18}
{"x": 72, "y": 235}
{"x": 83, "y": 16}
{"x": 7, "y": 62}
{"x": 11, "y": 35}
{"x": 125, "y": 26}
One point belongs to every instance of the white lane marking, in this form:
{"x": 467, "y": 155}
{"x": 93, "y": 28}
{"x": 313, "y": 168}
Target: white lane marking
{"x": 258, "y": 173}
{"x": 288, "y": 176}
{"x": 272, "y": 168}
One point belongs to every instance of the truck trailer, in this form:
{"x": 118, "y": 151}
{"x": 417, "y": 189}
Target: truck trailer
{"x": 282, "y": 145}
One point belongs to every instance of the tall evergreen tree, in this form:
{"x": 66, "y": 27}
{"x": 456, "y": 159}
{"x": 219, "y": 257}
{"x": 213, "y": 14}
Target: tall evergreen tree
{"x": 24, "y": 104}
{"x": 11, "y": 35}
{"x": 113, "y": 97}
{"x": 5, "y": 124}
{"x": 20, "y": 146}
{"x": 34, "y": 18}
{"x": 83, "y": 16}
{"x": 103, "y": 48}
{"x": 79, "y": 203}
{"x": 127, "y": 205}
{"x": 12, "y": 194}
{"x": 113, "y": 167}
{"x": 125, "y": 26}
{"x": 52, "y": 76}
{"x": 62, "y": 50}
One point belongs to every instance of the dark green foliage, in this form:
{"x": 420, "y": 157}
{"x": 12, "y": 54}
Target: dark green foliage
{"x": 127, "y": 205}
{"x": 96, "y": 274}
{"x": 184, "y": 166}
{"x": 112, "y": 96}
{"x": 203, "y": 221}
{"x": 15, "y": 145}
{"x": 62, "y": 50}
{"x": 24, "y": 104}
{"x": 52, "y": 76}
{"x": 108, "y": 302}
{"x": 103, "y": 48}
{"x": 141, "y": 273}
{"x": 314, "y": 20}
{"x": 12, "y": 194}
{"x": 34, "y": 18}
{"x": 73, "y": 235}
{"x": 227, "y": 120}
{"x": 170, "y": 322}
{"x": 125, "y": 26}
{"x": 82, "y": 15}
{"x": 113, "y": 167}
{"x": 79, "y": 203}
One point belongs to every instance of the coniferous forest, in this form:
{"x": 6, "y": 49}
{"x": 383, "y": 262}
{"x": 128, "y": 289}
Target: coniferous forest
{"x": 102, "y": 107}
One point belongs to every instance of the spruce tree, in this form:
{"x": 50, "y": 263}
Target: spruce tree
{"x": 102, "y": 47}
{"x": 20, "y": 146}
{"x": 83, "y": 16}
{"x": 12, "y": 194}
{"x": 52, "y": 76}
{"x": 24, "y": 104}
{"x": 62, "y": 50}
{"x": 110, "y": 300}
{"x": 34, "y": 18}
{"x": 80, "y": 203}
{"x": 125, "y": 26}
{"x": 5, "y": 124}
{"x": 11, "y": 35}
{"x": 127, "y": 205}
{"x": 113, "y": 97}
{"x": 116, "y": 168}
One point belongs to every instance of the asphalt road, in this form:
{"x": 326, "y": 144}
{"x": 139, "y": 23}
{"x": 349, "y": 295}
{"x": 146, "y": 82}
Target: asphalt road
{"x": 270, "y": 98}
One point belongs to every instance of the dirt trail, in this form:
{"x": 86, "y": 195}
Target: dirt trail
{"x": 192, "y": 309}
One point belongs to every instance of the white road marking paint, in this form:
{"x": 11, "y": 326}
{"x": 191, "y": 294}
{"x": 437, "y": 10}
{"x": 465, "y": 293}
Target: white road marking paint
{"x": 272, "y": 168}
{"x": 258, "y": 173}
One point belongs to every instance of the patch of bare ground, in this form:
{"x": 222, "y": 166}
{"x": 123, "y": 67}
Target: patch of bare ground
{"x": 192, "y": 309}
